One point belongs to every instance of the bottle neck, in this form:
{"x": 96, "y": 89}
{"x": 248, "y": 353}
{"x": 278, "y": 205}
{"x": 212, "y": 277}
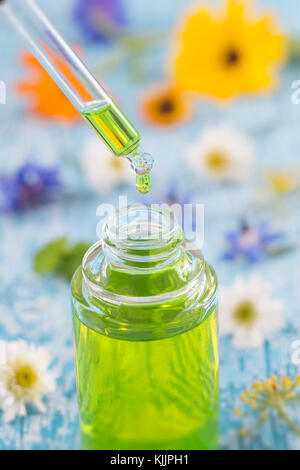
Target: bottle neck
{"x": 142, "y": 237}
{"x": 142, "y": 259}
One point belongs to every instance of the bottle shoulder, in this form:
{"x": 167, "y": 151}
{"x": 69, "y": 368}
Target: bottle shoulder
{"x": 145, "y": 318}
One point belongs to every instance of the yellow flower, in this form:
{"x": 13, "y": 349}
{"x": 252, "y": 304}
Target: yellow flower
{"x": 229, "y": 53}
{"x": 165, "y": 106}
{"x": 257, "y": 386}
{"x": 281, "y": 181}
{"x": 286, "y": 381}
{"x": 272, "y": 396}
{"x": 237, "y": 412}
{"x": 243, "y": 432}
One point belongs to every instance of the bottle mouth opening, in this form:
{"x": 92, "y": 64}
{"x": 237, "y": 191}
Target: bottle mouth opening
{"x": 142, "y": 227}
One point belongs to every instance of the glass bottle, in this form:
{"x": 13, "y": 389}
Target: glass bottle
{"x": 146, "y": 337}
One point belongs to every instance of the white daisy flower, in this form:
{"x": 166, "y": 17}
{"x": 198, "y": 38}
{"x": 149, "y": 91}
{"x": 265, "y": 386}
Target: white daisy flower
{"x": 249, "y": 313}
{"x": 103, "y": 170}
{"x": 222, "y": 153}
{"x": 24, "y": 379}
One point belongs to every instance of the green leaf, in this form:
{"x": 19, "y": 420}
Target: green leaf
{"x": 60, "y": 258}
{"x": 49, "y": 257}
{"x": 71, "y": 259}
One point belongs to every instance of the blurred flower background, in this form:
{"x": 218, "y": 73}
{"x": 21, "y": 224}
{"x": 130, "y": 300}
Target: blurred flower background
{"x": 212, "y": 88}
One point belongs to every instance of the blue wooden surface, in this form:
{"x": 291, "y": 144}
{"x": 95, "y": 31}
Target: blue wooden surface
{"x": 38, "y": 308}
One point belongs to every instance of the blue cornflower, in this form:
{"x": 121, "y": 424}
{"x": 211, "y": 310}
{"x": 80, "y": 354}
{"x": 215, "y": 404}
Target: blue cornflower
{"x": 31, "y": 185}
{"x": 99, "y": 20}
{"x": 253, "y": 243}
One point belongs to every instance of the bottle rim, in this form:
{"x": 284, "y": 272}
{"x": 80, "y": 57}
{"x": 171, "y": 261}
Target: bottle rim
{"x": 140, "y": 227}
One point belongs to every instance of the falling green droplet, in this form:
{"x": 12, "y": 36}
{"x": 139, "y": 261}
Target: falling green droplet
{"x": 143, "y": 183}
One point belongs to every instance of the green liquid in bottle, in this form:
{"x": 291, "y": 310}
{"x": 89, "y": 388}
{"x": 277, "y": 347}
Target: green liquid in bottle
{"x": 119, "y": 134}
{"x": 159, "y": 394}
{"x": 148, "y": 379}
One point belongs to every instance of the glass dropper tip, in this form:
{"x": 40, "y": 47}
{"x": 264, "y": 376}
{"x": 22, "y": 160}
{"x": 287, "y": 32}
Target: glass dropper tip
{"x": 142, "y": 163}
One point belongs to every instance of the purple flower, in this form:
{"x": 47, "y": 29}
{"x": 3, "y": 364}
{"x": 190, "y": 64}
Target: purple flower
{"x": 253, "y": 243}
{"x": 30, "y": 186}
{"x": 99, "y": 20}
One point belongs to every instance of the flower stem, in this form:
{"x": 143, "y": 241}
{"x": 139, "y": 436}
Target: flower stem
{"x": 294, "y": 49}
{"x": 284, "y": 416}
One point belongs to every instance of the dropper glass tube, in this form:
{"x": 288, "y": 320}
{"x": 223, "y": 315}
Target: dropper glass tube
{"x": 79, "y": 85}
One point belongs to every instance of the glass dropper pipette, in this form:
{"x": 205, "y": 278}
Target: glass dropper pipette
{"x": 79, "y": 85}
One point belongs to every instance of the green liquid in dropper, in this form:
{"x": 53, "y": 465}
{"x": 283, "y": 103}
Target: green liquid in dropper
{"x": 118, "y": 133}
